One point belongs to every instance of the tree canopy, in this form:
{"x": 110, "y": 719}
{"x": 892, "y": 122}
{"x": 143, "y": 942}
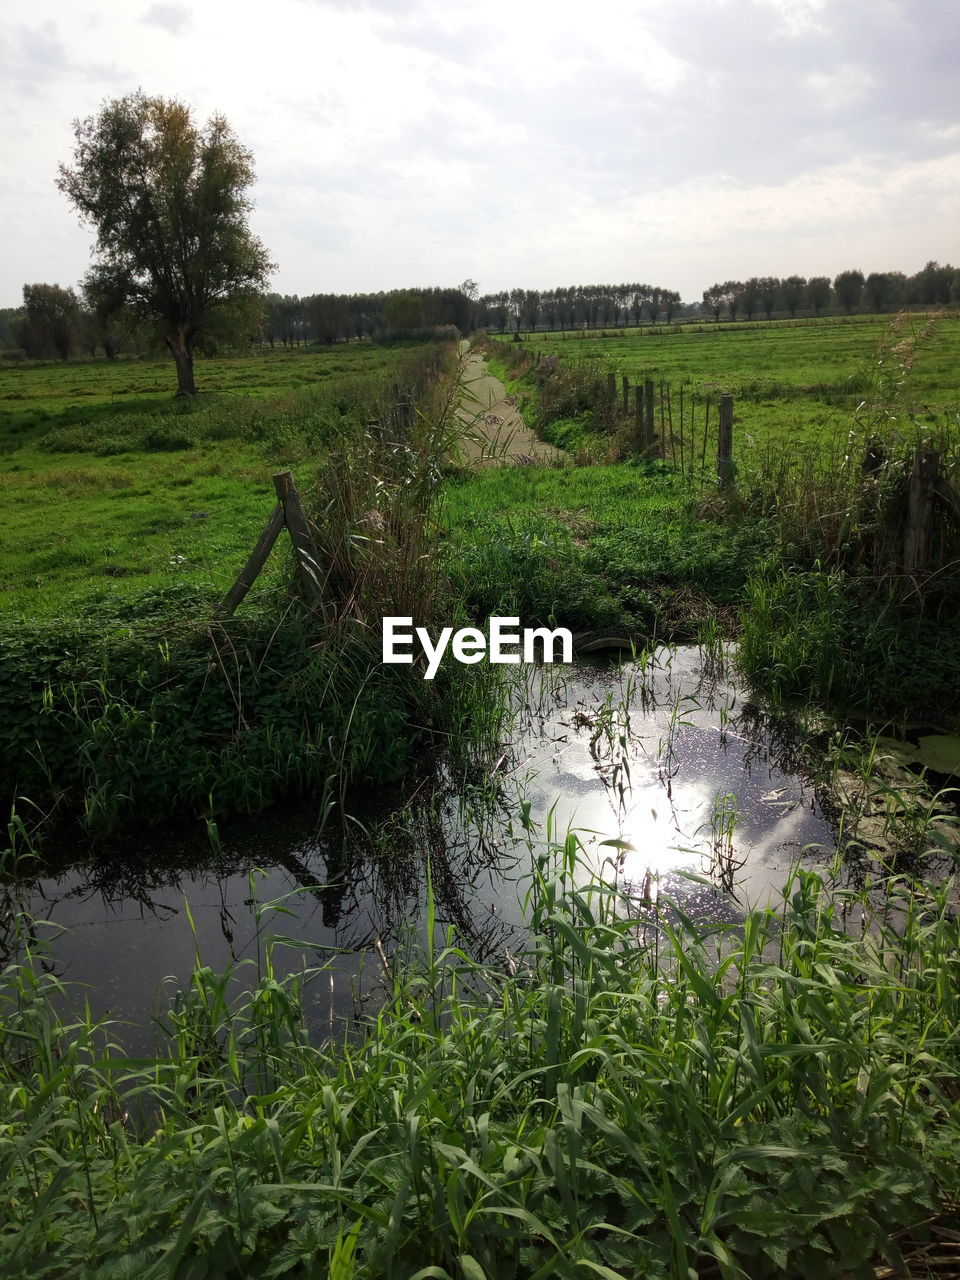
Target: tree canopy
{"x": 52, "y": 315}
{"x": 169, "y": 202}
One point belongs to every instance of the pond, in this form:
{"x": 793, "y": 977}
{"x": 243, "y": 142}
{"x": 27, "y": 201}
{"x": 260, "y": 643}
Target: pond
{"x": 663, "y": 766}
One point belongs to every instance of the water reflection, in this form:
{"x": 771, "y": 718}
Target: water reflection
{"x": 661, "y": 764}
{"x": 668, "y": 759}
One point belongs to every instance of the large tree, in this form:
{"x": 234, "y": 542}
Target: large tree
{"x": 53, "y": 316}
{"x": 819, "y": 291}
{"x": 848, "y": 286}
{"x": 169, "y": 203}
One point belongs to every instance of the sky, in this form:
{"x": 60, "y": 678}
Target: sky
{"x": 525, "y": 143}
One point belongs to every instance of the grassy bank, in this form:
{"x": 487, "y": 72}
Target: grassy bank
{"x": 147, "y": 702}
{"x": 594, "y": 547}
{"x": 803, "y": 558}
{"x": 637, "y": 1099}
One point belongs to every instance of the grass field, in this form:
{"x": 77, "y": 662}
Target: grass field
{"x": 804, "y": 382}
{"x": 594, "y": 547}
{"x": 109, "y": 485}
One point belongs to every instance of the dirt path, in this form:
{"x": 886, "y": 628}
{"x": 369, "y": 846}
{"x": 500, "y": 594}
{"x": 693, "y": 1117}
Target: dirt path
{"x": 494, "y": 432}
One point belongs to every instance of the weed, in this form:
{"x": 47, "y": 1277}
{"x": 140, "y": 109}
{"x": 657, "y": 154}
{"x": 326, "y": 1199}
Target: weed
{"x": 755, "y": 1100}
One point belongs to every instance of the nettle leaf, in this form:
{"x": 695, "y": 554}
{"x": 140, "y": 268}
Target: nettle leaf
{"x": 818, "y": 1241}
{"x": 777, "y": 1253}
{"x": 268, "y": 1213}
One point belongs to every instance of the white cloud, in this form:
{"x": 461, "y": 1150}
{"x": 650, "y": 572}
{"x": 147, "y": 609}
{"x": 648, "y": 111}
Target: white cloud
{"x": 174, "y": 18}
{"x": 543, "y": 142}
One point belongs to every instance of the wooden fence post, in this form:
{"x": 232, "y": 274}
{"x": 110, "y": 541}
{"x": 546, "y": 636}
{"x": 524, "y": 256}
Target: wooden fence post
{"x": 612, "y": 387}
{"x": 305, "y": 549}
{"x": 725, "y": 444}
{"x": 403, "y": 413}
{"x": 638, "y": 419}
{"x": 258, "y": 558}
{"x": 626, "y": 395}
{"x": 923, "y": 484}
{"x": 649, "y": 434}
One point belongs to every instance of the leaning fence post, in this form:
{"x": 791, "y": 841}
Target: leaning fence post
{"x": 305, "y": 549}
{"x": 725, "y": 443}
{"x": 923, "y": 484}
{"x": 258, "y": 558}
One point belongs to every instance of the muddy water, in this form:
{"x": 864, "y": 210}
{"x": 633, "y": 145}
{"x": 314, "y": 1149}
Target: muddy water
{"x": 666, "y": 760}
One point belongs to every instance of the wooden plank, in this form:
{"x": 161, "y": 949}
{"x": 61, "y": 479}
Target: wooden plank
{"x": 305, "y": 549}
{"x": 725, "y": 444}
{"x": 923, "y": 483}
{"x": 649, "y": 434}
{"x": 257, "y": 559}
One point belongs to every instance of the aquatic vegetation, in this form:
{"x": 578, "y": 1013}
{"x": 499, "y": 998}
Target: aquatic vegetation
{"x": 638, "y": 1096}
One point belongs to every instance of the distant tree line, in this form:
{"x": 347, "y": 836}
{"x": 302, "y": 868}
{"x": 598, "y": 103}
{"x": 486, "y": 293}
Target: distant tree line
{"x": 849, "y": 291}
{"x": 289, "y": 320}
{"x": 58, "y": 323}
{"x": 577, "y": 306}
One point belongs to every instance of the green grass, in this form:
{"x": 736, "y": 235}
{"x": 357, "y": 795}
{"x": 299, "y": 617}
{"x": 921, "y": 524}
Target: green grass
{"x": 592, "y": 547}
{"x": 798, "y": 383}
{"x": 640, "y": 1098}
{"x": 130, "y": 489}
{"x": 124, "y": 695}
{"x": 826, "y": 636}
{"x": 35, "y": 397}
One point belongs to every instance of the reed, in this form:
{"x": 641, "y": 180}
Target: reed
{"x": 637, "y": 1097}
{"x": 163, "y": 708}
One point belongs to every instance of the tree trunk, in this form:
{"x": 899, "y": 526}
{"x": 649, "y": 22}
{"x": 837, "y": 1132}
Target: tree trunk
{"x": 182, "y": 352}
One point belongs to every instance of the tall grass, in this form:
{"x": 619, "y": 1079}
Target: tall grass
{"x": 630, "y": 1096}
{"x": 165, "y": 707}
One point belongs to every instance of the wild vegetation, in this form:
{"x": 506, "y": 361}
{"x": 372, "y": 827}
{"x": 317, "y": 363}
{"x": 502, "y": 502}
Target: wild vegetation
{"x": 813, "y": 530}
{"x": 628, "y": 1093}
{"x": 639, "y": 1097}
{"x": 147, "y": 700}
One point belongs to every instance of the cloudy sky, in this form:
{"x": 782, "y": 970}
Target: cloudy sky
{"x": 518, "y": 142}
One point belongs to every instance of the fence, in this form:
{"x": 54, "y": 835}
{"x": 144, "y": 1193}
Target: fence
{"x": 672, "y": 426}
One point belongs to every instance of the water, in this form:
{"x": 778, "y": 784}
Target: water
{"x": 664, "y": 768}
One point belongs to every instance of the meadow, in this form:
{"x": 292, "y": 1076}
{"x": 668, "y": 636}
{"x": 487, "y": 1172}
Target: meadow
{"x": 801, "y": 557}
{"x": 110, "y": 486}
{"x": 123, "y": 688}
{"x": 122, "y": 528}
{"x": 803, "y": 382}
